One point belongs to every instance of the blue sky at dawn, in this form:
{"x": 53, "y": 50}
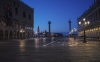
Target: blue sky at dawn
{"x": 58, "y": 12}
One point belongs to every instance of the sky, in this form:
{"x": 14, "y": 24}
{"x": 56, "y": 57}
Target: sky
{"x": 58, "y": 12}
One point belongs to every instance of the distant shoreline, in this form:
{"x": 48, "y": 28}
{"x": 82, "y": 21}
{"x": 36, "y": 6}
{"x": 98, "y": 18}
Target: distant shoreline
{"x": 64, "y": 33}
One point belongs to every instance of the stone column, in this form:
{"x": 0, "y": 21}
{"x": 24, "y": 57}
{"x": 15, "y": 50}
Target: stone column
{"x": 99, "y": 31}
{"x": 3, "y": 34}
{"x": 15, "y": 35}
{"x": 69, "y": 25}
{"x": 12, "y": 34}
{"x": 8, "y": 34}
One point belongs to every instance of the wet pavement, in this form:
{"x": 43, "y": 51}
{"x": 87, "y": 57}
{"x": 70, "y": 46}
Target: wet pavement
{"x": 49, "y": 50}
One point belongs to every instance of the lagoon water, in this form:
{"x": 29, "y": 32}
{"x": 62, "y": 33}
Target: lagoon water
{"x": 65, "y": 33}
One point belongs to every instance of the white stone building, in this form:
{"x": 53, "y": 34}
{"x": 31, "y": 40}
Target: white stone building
{"x": 16, "y": 20}
{"x": 93, "y": 16}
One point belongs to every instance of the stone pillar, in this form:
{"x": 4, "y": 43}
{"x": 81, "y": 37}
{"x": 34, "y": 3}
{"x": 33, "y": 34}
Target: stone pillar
{"x": 94, "y": 33}
{"x": 15, "y": 35}
{"x": 91, "y": 34}
{"x": 29, "y": 34}
{"x": 99, "y": 31}
{"x": 3, "y": 34}
{"x": 20, "y": 36}
{"x": 8, "y": 34}
{"x": 88, "y": 33}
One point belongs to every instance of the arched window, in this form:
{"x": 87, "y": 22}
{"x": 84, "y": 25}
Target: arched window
{"x": 16, "y": 11}
{"x": 24, "y": 15}
{"x": 14, "y": 3}
{"x": 99, "y": 13}
{"x": 7, "y": 7}
{"x": 29, "y": 16}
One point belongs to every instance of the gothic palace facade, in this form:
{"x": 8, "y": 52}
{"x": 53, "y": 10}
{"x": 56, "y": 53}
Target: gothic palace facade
{"x": 93, "y": 16}
{"x": 16, "y": 20}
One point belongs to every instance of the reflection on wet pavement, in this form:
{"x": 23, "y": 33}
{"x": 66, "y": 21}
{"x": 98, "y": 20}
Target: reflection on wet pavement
{"x": 49, "y": 50}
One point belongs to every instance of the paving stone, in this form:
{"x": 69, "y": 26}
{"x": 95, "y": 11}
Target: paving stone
{"x": 93, "y": 60}
{"x": 34, "y": 51}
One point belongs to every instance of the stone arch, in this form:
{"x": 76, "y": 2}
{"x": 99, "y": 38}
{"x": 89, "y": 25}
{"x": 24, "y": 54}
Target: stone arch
{"x": 1, "y": 34}
{"x": 6, "y": 34}
{"x": 10, "y": 34}
{"x": 32, "y": 34}
{"x": 99, "y": 34}
{"x": 18, "y": 33}
{"x": 24, "y": 35}
{"x": 14, "y": 34}
{"x": 28, "y": 34}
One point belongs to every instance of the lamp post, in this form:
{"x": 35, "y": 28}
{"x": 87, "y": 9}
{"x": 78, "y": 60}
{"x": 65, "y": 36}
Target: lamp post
{"x": 84, "y": 23}
{"x": 22, "y": 31}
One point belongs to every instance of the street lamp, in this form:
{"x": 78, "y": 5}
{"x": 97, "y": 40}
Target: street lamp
{"x": 22, "y": 31}
{"x": 84, "y": 23}
{"x": 72, "y": 32}
{"x": 75, "y": 29}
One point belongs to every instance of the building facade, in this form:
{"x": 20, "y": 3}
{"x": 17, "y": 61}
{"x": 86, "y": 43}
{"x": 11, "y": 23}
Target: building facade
{"x": 16, "y": 20}
{"x": 93, "y": 16}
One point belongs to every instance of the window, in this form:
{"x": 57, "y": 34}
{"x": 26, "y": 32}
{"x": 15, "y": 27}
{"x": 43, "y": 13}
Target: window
{"x": 13, "y": 23}
{"x": 96, "y": 14}
{"x": 93, "y": 17}
{"x": 14, "y": 3}
{"x": 18, "y": 4}
{"x": 7, "y": 7}
{"x": 16, "y": 11}
{"x": 29, "y": 16}
{"x": 99, "y": 13}
{"x": 20, "y": 26}
{"x": 24, "y": 15}
{"x": 9, "y": 23}
{"x": 16, "y": 25}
